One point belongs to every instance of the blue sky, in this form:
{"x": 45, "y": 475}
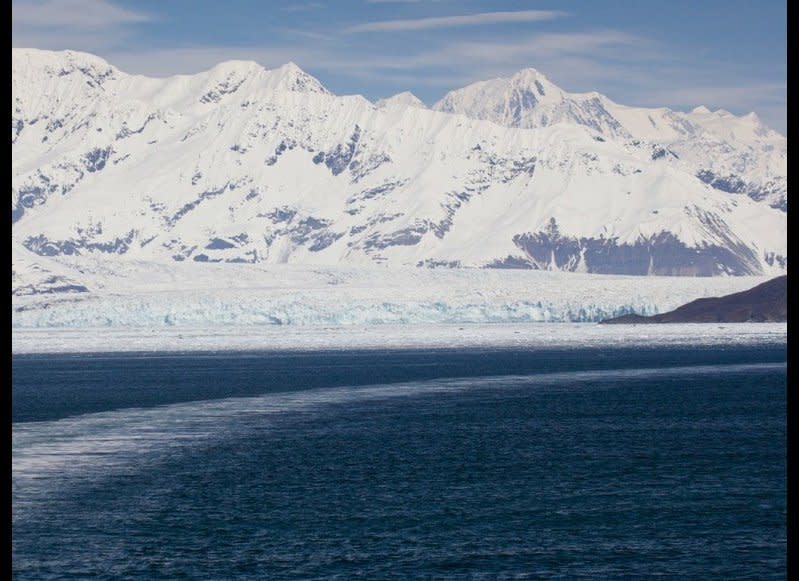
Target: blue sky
{"x": 677, "y": 53}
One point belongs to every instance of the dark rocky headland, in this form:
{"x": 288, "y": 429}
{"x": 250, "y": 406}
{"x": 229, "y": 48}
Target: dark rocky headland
{"x": 765, "y": 303}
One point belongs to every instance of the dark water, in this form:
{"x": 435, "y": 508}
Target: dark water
{"x": 445, "y": 464}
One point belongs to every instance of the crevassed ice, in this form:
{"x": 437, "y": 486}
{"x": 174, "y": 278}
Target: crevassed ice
{"x": 137, "y": 312}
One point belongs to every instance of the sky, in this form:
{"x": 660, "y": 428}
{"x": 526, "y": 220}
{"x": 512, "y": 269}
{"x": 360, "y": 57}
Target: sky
{"x": 729, "y": 54}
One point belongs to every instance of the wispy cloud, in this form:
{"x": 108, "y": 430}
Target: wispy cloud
{"x": 303, "y": 7}
{"x": 451, "y": 21}
{"x": 406, "y": 1}
{"x": 75, "y": 24}
{"x": 535, "y": 50}
{"x": 544, "y": 45}
{"x": 410, "y": 1}
{"x": 311, "y": 34}
{"x": 77, "y": 14}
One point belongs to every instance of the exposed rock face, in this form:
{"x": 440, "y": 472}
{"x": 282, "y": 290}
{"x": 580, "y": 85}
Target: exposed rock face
{"x": 765, "y": 303}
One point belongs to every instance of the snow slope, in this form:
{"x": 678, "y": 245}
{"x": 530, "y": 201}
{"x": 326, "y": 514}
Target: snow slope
{"x": 241, "y": 164}
{"x": 401, "y": 100}
{"x": 737, "y": 155}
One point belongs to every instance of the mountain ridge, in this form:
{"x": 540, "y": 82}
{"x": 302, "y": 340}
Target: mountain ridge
{"x": 749, "y": 157}
{"x": 247, "y": 164}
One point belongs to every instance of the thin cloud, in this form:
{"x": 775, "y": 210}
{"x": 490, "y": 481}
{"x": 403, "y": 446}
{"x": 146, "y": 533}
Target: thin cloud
{"x": 313, "y": 35}
{"x": 527, "y": 52}
{"x": 541, "y": 45}
{"x": 90, "y": 25}
{"x": 452, "y": 21}
{"x": 75, "y": 14}
{"x": 303, "y": 7}
{"x": 405, "y": 1}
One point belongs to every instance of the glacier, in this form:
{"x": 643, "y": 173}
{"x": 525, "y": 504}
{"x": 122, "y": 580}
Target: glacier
{"x": 193, "y": 310}
{"x": 140, "y": 294}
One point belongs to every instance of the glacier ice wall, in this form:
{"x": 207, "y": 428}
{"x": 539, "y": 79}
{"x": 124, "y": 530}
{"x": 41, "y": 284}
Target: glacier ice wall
{"x": 132, "y": 294}
{"x": 148, "y": 312}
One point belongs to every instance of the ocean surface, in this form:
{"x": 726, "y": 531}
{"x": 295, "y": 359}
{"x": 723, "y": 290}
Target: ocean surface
{"x": 468, "y": 463}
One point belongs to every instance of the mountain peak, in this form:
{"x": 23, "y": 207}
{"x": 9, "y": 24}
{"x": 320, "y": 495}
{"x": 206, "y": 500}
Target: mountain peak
{"x": 291, "y": 77}
{"x": 74, "y": 56}
{"x": 529, "y": 74}
{"x": 508, "y": 101}
{"x": 404, "y": 99}
{"x": 528, "y": 86}
{"x": 61, "y": 63}
{"x": 236, "y": 64}
{"x": 291, "y": 67}
{"x": 287, "y": 77}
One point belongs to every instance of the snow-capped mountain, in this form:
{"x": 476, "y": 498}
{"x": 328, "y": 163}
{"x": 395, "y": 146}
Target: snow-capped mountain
{"x": 404, "y": 99}
{"x": 737, "y": 155}
{"x": 244, "y": 164}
